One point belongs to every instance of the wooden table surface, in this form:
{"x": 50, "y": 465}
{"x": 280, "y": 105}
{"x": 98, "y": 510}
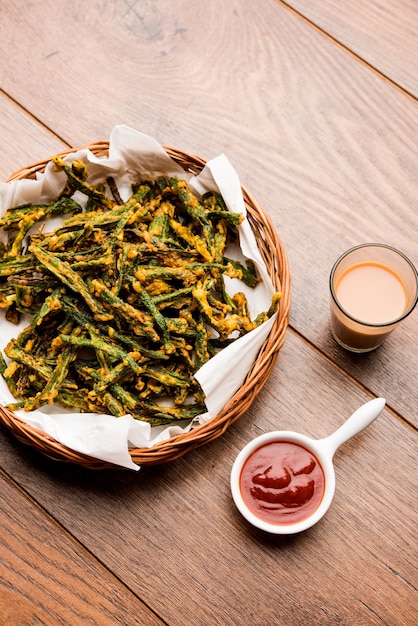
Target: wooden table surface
{"x": 315, "y": 105}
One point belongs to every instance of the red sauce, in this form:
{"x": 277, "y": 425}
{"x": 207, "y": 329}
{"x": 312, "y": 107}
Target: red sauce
{"x": 282, "y": 483}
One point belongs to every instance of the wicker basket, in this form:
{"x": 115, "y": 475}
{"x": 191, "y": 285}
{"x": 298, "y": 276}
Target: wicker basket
{"x": 276, "y": 261}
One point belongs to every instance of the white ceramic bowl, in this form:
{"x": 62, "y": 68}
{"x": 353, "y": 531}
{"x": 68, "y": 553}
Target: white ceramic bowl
{"x": 322, "y": 449}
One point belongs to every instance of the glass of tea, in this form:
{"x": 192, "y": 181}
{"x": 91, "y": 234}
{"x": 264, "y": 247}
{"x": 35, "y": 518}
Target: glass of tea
{"x": 373, "y": 288}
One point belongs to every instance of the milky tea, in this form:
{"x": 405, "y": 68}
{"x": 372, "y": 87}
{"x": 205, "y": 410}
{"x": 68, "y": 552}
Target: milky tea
{"x": 373, "y": 288}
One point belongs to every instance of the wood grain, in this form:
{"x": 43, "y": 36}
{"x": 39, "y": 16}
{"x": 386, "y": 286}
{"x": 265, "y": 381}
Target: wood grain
{"x": 178, "y": 527}
{"x": 23, "y": 141}
{"x": 47, "y": 578}
{"x": 325, "y": 145}
{"x": 382, "y": 33}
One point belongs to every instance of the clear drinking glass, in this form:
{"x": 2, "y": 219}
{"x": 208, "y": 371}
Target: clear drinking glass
{"x": 373, "y": 288}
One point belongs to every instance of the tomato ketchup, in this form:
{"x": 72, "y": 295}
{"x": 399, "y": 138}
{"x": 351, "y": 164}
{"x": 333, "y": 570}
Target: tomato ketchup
{"x": 282, "y": 482}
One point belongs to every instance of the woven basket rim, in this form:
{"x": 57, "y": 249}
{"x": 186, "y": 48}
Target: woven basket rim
{"x": 175, "y": 447}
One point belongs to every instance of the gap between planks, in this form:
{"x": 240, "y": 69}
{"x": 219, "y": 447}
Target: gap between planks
{"x": 346, "y": 49}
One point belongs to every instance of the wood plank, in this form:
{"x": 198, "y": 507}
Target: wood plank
{"x": 48, "y": 578}
{"x": 174, "y": 537}
{"x": 325, "y": 145}
{"x": 382, "y": 33}
{"x": 23, "y": 140}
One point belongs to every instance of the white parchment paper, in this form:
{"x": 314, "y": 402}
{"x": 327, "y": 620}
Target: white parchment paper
{"x": 134, "y": 156}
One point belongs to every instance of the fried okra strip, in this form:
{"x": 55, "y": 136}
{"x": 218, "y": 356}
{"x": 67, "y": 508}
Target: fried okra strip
{"x": 127, "y": 399}
{"x": 169, "y": 378}
{"x": 248, "y": 271}
{"x": 50, "y": 391}
{"x": 80, "y": 184}
{"x": 80, "y": 171}
{"x": 196, "y": 211}
{"x": 117, "y": 374}
{"x": 38, "y": 213}
{"x": 171, "y": 296}
{"x": 113, "y": 405}
{"x": 223, "y": 325}
{"x": 35, "y": 363}
{"x": 155, "y": 414}
{"x": 52, "y": 303}
{"x": 119, "y": 308}
{"x": 17, "y": 265}
{"x": 71, "y": 279}
{"x": 7, "y": 375}
{"x": 96, "y": 342}
{"x": 159, "y": 319}
{"x": 201, "y": 345}
{"x": 193, "y": 240}
{"x": 29, "y": 291}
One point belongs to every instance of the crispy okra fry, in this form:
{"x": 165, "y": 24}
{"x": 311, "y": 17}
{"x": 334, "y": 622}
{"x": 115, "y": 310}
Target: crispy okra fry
{"x": 71, "y": 279}
{"x": 50, "y": 391}
{"x": 98, "y": 343}
{"x": 118, "y": 308}
{"x": 127, "y": 300}
{"x": 159, "y": 319}
{"x": 79, "y": 183}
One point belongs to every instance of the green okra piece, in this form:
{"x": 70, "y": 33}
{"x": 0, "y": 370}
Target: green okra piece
{"x": 122, "y": 266}
{"x": 50, "y": 304}
{"x": 72, "y": 307}
{"x": 190, "y": 201}
{"x": 117, "y": 375}
{"x": 201, "y": 347}
{"x": 80, "y": 171}
{"x": 224, "y": 296}
{"x": 146, "y": 352}
{"x": 104, "y": 261}
{"x": 103, "y": 361}
{"x": 14, "y": 215}
{"x": 202, "y": 246}
{"x": 127, "y": 399}
{"x": 148, "y": 273}
{"x": 229, "y": 216}
{"x": 24, "y": 358}
{"x": 17, "y": 265}
{"x": 24, "y": 226}
{"x": 79, "y": 183}
{"x": 213, "y": 201}
{"x": 98, "y": 343}
{"x": 120, "y": 308}
{"x": 188, "y": 411}
{"x": 180, "y": 298}
{"x": 113, "y": 405}
{"x": 71, "y": 279}
{"x": 262, "y": 317}
{"x": 59, "y": 241}
{"x": 75, "y": 400}
{"x": 80, "y": 255}
{"x": 169, "y": 378}
{"x": 8, "y": 379}
{"x": 25, "y": 296}
{"x": 195, "y": 209}
{"x": 50, "y": 391}
{"x": 159, "y": 319}
{"x": 178, "y": 325}
{"x": 220, "y": 242}
{"x": 38, "y": 213}
{"x": 21, "y": 341}
{"x": 216, "y": 209}
{"x": 114, "y": 189}
{"x": 248, "y": 271}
